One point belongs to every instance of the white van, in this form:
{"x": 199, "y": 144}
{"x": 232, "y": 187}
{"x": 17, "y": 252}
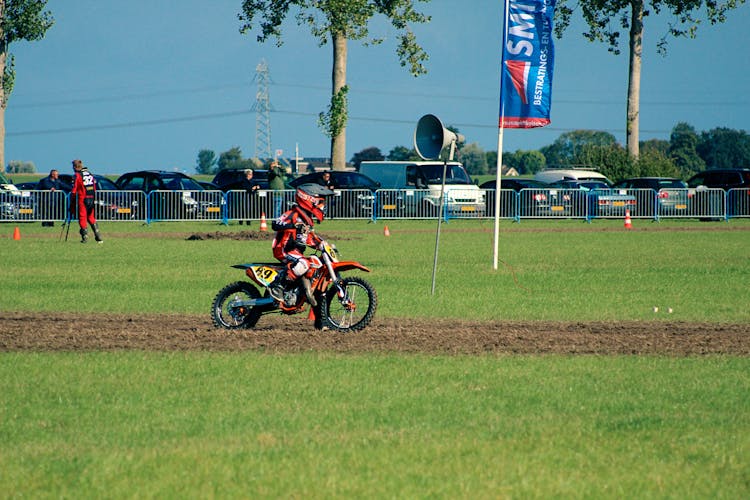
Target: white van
{"x": 551, "y": 175}
{"x": 421, "y": 182}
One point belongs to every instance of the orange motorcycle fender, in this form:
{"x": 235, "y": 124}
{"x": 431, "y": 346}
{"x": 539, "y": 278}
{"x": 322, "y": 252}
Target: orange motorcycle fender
{"x": 348, "y": 265}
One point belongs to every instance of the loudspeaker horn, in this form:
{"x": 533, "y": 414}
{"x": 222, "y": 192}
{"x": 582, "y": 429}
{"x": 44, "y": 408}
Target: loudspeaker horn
{"x": 430, "y": 137}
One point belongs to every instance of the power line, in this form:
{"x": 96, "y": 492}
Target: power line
{"x": 353, "y": 91}
{"x": 213, "y": 116}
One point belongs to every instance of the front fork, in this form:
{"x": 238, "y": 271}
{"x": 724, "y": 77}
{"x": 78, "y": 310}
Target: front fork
{"x": 332, "y": 272}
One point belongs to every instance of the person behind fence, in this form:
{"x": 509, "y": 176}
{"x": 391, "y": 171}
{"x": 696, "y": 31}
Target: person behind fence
{"x": 276, "y": 183}
{"x": 250, "y": 186}
{"x": 325, "y": 180}
{"x": 82, "y": 201}
{"x": 50, "y": 183}
{"x": 294, "y": 233}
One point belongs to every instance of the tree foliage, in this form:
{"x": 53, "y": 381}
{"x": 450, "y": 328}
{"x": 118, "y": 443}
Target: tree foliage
{"x": 19, "y": 20}
{"x": 402, "y": 153}
{"x": 206, "y": 162}
{"x": 682, "y": 150}
{"x": 368, "y": 154}
{"x": 232, "y": 158}
{"x": 473, "y": 158}
{"x": 565, "y": 148}
{"x": 724, "y": 148}
{"x": 605, "y": 18}
{"x": 336, "y": 22}
{"x": 21, "y": 167}
{"x": 525, "y": 162}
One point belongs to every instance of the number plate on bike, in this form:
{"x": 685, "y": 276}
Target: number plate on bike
{"x": 264, "y": 274}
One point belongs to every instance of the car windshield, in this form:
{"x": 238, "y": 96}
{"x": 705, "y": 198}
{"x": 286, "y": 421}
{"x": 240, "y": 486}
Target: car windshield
{"x": 671, "y": 183}
{"x": 178, "y": 183}
{"x": 454, "y": 174}
{"x": 105, "y": 184}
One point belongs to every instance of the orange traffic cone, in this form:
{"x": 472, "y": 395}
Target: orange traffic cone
{"x": 628, "y": 223}
{"x": 386, "y": 232}
{"x": 16, "y": 234}
{"x": 263, "y": 225}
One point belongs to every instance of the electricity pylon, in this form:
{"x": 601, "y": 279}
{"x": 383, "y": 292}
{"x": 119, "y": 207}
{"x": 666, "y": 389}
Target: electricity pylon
{"x": 262, "y": 108}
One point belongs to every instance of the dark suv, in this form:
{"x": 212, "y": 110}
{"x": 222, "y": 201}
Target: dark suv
{"x": 736, "y": 181}
{"x": 172, "y": 195}
{"x": 229, "y": 179}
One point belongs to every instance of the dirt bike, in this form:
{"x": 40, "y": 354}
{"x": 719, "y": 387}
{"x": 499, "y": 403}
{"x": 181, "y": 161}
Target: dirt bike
{"x": 340, "y": 304}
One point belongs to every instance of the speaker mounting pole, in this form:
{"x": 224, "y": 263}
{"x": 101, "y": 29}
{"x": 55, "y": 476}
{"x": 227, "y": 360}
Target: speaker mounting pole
{"x": 430, "y": 138}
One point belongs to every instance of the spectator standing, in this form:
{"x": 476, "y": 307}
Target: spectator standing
{"x": 82, "y": 201}
{"x": 276, "y": 183}
{"x": 50, "y": 183}
{"x": 250, "y": 187}
{"x": 325, "y": 181}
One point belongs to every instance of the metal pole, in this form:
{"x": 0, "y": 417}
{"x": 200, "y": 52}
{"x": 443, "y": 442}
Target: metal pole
{"x": 440, "y": 214}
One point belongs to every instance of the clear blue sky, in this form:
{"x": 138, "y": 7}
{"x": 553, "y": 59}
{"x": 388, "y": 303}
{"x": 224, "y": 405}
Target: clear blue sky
{"x": 148, "y": 83}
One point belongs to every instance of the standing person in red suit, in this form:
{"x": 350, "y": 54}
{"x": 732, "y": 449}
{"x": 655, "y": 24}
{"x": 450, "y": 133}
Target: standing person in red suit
{"x": 82, "y": 201}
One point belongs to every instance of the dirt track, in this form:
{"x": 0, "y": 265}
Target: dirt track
{"x": 23, "y": 331}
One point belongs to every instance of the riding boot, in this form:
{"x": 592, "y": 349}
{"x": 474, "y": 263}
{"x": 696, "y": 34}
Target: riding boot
{"x": 84, "y": 235}
{"x": 97, "y": 234}
{"x": 308, "y": 291}
{"x": 277, "y": 286}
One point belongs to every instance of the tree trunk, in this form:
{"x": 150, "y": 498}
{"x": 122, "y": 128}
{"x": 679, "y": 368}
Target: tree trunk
{"x": 338, "y": 142}
{"x": 634, "y": 78}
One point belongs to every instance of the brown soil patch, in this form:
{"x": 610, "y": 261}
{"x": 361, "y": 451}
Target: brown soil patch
{"x": 63, "y": 331}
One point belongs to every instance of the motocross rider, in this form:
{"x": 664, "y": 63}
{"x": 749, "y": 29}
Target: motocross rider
{"x": 294, "y": 232}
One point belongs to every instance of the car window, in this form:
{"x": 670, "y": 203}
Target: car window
{"x": 105, "y": 184}
{"x": 132, "y": 183}
{"x": 172, "y": 184}
{"x": 697, "y": 180}
{"x": 730, "y": 179}
{"x": 415, "y": 177}
{"x": 152, "y": 184}
{"x": 670, "y": 183}
{"x": 189, "y": 184}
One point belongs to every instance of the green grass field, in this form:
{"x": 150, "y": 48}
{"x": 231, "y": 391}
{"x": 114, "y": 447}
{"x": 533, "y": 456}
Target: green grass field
{"x": 573, "y": 272}
{"x": 320, "y": 425}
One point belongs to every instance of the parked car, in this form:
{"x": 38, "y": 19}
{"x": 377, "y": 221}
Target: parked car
{"x": 186, "y": 201}
{"x": 551, "y": 175}
{"x": 15, "y": 204}
{"x": 735, "y": 181}
{"x": 536, "y": 199}
{"x": 670, "y": 193}
{"x": 424, "y": 188}
{"x": 110, "y": 206}
{"x": 602, "y": 200}
{"x": 724, "y": 178}
{"x": 229, "y": 179}
{"x": 209, "y": 186}
{"x": 359, "y": 204}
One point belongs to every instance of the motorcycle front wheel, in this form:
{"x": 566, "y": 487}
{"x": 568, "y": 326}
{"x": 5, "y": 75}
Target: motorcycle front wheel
{"x": 352, "y": 312}
{"x": 226, "y": 310}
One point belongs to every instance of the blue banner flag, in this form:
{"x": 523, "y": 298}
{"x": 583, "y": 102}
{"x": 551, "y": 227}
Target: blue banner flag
{"x": 528, "y": 57}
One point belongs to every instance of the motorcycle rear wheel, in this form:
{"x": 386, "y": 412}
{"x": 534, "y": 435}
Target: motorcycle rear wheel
{"x": 345, "y": 317}
{"x": 226, "y": 315}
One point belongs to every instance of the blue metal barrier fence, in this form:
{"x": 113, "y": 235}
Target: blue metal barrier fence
{"x": 51, "y": 206}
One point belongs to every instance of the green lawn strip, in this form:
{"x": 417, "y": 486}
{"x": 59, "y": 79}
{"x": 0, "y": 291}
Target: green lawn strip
{"x": 548, "y": 270}
{"x": 319, "y": 425}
